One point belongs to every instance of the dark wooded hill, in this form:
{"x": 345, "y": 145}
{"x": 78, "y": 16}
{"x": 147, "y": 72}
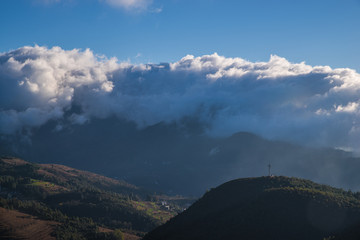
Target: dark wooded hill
{"x": 265, "y": 208}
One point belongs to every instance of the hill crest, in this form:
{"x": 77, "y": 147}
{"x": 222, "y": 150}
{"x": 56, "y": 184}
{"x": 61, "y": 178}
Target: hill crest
{"x": 265, "y": 208}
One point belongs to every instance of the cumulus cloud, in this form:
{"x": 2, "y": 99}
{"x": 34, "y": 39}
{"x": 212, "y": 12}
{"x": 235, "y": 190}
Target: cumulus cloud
{"x": 139, "y": 5}
{"x": 275, "y": 99}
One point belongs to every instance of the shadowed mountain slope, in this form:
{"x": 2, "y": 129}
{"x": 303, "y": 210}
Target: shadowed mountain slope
{"x": 17, "y": 225}
{"x": 82, "y": 203}
{"x": 265, "y": 208}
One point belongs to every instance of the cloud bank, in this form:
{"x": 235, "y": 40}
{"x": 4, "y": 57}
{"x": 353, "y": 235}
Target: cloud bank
{"x": 275, "y": 99}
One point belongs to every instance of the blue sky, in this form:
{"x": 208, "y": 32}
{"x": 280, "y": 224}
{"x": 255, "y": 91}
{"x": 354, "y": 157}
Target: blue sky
{"x": 320, "y": 32}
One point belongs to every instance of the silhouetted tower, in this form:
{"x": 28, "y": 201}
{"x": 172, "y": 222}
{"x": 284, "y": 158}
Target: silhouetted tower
{"x": 269, "y": 166}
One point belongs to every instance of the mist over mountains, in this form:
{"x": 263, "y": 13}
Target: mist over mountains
{"x": 275, "y": 99}
{"x": 197, "y": 122}
{"x": 180, "y": 159}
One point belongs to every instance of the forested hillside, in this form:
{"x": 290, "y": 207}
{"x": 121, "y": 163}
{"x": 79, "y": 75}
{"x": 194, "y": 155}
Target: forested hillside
{"x": 83, "y": 205}
{"x": 272, "y": 208}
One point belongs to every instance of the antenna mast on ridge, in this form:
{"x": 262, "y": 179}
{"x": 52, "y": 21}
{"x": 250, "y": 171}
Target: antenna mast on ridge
{"x": 269, "y": 166}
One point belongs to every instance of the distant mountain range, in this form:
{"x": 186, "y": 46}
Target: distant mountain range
{"x": 179, "y": 158}
{"x": 271, "y": 208}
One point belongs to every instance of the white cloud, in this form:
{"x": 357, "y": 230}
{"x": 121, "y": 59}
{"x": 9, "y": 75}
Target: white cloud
{"x": 36, "y": 81}
{"x": 351, "y": 107}
{"x": 138, "y": 5}
{"x": 276, "y": 99}
{"x": 128, "y": 5}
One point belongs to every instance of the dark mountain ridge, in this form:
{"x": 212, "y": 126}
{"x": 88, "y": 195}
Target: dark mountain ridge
{"x": 180, "y": 158}
{"x": 265, "y": 208}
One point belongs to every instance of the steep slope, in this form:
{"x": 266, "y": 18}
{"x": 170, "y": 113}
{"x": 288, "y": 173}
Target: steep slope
{"x": 265, "y": 208}
{"x": 17, "y": 225}
{"x": 58, "y": 193}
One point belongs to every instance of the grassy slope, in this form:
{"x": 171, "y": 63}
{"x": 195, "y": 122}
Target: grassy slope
{"x": 17, "y": 225}
{"x": 265, "y": 208}
{"x": 108, "y": 202}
